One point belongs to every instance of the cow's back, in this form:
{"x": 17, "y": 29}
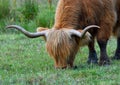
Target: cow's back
{"x": 81, "y": 13}
{"x": 77, "y": 13}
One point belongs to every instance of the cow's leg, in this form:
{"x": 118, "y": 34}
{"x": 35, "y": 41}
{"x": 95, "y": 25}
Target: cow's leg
{"x": 106, "y": 25}
{"x": 92, "y": 58}
{"x": 104, "y": 60}
{"x": 102, "y": 39}
{"x": 117, "y": 53}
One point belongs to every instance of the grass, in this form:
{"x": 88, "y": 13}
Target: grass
{"x": 29, "y": 14}
{"x": 24, "y": 61}
{"x": 4, "y": 8}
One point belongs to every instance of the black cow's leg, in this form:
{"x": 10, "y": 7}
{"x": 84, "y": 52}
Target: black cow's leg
{"x": 104, "y": 60}
{"x": 92, "y": 58}
{"x": 117, "y": 53}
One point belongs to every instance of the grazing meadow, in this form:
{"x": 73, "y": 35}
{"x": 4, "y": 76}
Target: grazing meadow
{"x": 25, "y": 61}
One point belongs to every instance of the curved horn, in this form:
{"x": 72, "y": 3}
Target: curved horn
{"x": 87, "y": 28}
{"x": 74, "y": 32}
{"x": 28, "y": 34}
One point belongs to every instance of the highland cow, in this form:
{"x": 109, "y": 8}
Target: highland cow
{"x": 76, "y": 24}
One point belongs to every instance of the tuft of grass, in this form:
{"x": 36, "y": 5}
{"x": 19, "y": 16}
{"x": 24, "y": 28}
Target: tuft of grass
{"x": 4, "y": 8}
{"x": 29, "y": 9}
{"x": 24, "y": 61}
{"x": 45, "y": 17}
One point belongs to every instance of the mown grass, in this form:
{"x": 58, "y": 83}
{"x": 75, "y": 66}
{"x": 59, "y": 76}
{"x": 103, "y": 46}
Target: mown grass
{"x": 24, "y": 61}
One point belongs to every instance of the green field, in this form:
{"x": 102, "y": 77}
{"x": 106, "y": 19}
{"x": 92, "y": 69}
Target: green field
{"x": 24, "y": 61}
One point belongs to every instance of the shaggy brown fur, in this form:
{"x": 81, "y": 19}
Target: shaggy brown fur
{"x": 77, "y": 14}
{"x": 81, "y": 13}
{"x": 63, "y": 47}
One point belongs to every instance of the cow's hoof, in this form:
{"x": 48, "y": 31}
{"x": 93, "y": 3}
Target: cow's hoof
{"x": 116, "y": 58}
{"x": 92, "y": 58}
{"x": 92, "y": 61}
{"x": 72, "y": 67}
{"x": 104, "y": 63}
{"x": 75, "y": 67}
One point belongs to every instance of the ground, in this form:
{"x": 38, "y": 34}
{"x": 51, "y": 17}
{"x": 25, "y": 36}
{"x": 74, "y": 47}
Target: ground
{"x": 24, "y": 61}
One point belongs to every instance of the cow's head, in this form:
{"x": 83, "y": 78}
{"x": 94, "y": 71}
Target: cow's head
{"x": 62, "y": 44}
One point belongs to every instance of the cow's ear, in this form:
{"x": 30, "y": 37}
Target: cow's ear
{"x": 39, "y": 29}
{"x": 87, "y": 34}
{"x": 85, "y": 39}
{"x": 86, "y": 29}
